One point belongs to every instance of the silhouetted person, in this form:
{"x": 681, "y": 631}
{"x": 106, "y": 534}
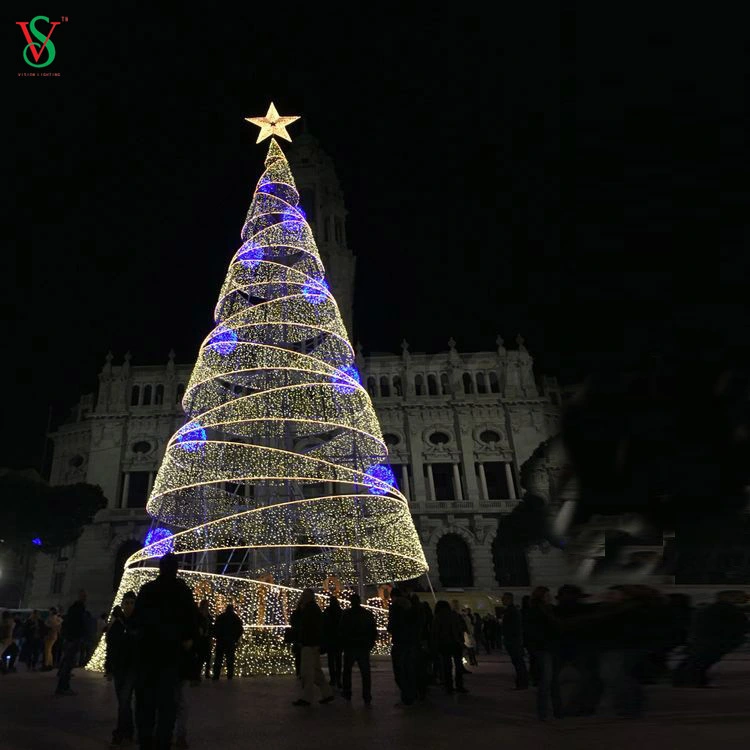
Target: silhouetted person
{"x": 447, "y": 638}
{"x": 120, "y": 667}
{"x": 403, "y": 625}
{"x": 292, "y": 637}
{"x": 541, "y": 636}
{"x": 310, "y": 637}
{"x": 513, "y": 637}
{"x": 73, "y": 633}
{"x": 165, "y": 622}
{"x": 203, "y": 643}
{"x": 53, "y": 625}
{"x": 32, "y": 643}
{"x": 8, "y": 645}
{"x": 717, "y": 629}
{"x": 331, "y": 622}
{"x": 358, "y": 634}
{"x": 228, "y": 631}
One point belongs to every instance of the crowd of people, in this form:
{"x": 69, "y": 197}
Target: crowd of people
{"x": 576, "y": 654}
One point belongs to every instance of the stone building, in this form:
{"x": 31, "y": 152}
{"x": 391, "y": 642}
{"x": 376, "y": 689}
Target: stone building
{"x": 459, "y": 426}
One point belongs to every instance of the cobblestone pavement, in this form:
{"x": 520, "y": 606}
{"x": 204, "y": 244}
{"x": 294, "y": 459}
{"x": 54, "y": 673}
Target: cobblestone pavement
{"x": 258, "y": 712}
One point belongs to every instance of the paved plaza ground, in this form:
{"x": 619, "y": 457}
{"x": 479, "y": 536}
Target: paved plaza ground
{"x": 258, "y": 713}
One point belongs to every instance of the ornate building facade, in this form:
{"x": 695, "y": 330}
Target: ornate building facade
{"x": 458, "y": 426}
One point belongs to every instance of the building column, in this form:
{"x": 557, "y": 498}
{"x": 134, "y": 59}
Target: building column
{"x": 125, "y": 489}
{"x": 431, "y": 482}
{"x": 509, "y": 480}
{"x": 483, "y": 482}
{"x": 405, "y": 481}
{"x": 457, "y": 488}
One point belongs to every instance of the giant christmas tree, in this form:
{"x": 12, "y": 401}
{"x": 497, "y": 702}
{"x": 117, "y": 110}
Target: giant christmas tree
{"x": 279, "y": 478}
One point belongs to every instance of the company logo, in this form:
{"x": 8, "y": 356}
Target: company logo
{"x": 34, "y": 51}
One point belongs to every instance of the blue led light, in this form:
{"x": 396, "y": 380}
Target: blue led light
{"x": 340, "y": 382}
{"x": 191, "y": 437}
{"x": 315, "y": 291}
{"x": 266, "y": 187}
{"x": 250, "y": 254}
{"x": 224, "y": 341}
{"x": 37, "y": 541}
{"x": 302, "y": 212}
{"x": 384, "y": 473}
{"x": 163, "y": 540}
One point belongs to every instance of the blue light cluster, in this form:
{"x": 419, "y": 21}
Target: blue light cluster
{"x": 302, "y": 212}
{"x": 250, "y": 254}
{"x": 384, "y": 473}
{"x": 315, "y": 291}
{"x": 191, "y": 437}
{"x": 163, "y": 540}
{"x": 340, "y": 382}
{"x": 266, "y": 187}
{"x": 224, "y": 341}
{"x": 36, "y": 541}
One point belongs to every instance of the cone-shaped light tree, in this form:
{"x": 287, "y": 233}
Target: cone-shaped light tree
{"x": 279, "y": 478}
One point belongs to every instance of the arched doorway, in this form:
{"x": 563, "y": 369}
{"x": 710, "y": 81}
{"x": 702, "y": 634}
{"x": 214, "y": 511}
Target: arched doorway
{"x": 454, "y": 562}
{"x": 125, "y": 550}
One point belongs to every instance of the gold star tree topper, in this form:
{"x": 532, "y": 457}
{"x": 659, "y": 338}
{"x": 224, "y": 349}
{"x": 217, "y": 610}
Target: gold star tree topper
{"x": 272, "y": 124}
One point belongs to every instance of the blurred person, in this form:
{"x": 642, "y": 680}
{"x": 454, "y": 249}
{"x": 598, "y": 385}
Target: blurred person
{"x": 513, "y": 638}
{"x": 310, "y": 637}
{"x": 32, "y": 639}
{"x": 120, "y": 666}
{"x": 447, "y": 637}
{"x": 403, "y": 625}
{"x": 53, "y": 624}
{"x": 357, "y": 635}
{"x": 8, "y": 645}
{"x": 331, "y": 645}
{"x": 470, "y": 643}
{"x": 228, "y": 630}
{"x": 542, "y": 639}
{"x": 73, "y": 634}
{"x": 203, "y": 643}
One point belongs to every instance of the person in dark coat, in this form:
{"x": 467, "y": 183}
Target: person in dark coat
{"x": 203, "y": 644}
{"x": 73, "y": 633}
{"x": 165, "y": 622}
{"x": 447, "y": 638}
{"x": 541, "y": 637}
{"x": 403, "y": 625}
{"x": 119, "y": 666}
{"x": 357, "y": 636}
{"x": 292, "y": 637}
{"x": 331, "y": 644}
{"x": 310, "y": 636}
{"x": 32, "y": 640}
{"x": 719, "y": 628}
{"x": 513, "y": 638}
{"x": 228, "y": 631}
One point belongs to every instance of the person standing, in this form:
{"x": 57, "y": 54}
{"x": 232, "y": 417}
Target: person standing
{"x": 331, "y": 623}
{"x": 357, "y": 635}
{"x": 8, "y": 645}
{"x": 32, "y": 635}
{"x": 403, "y": 625}
{"x": 541, "y": 639}
{"x": 513, "y": 638}
{"x": 119, "y": 666}
{"x": 228, "y": 631}
{"x": 73, "y": 633}
{"x": 310, "y": 636}
{"x": 203, "y": 644}
{"x": 448, "y": 642}
{"x": 53, "y": 623}
{"x": 165, "y": 622}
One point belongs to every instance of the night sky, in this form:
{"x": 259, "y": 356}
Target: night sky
{"x": 563, "y": 177}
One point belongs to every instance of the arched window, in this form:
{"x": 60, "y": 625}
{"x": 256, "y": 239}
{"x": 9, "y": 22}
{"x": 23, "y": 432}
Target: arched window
{"x": 147, "y": 396}
{"x": 468, "y": 383}
{"x": 397, "y": 389}
{"x": 432, "y": 385}
{"x": 445, "y": 386}
{"x": 124, "y": 551}
{"x": 372, "y": 388}
{"x": 159, "y": 395}
{"x": 494, "y": 384}
{"x": 385, "y": 386}
{"x": 481, "y": 383}
{"x": 180, "y": 393}
{"x": 454, "y": 562}
{"x": 419, "y": 385}
{"x": 135, "y": 395}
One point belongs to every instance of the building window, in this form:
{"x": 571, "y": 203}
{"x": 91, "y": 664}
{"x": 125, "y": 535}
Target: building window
{"x": 489, "y": 436}
{"x": 419, "y": 385}
{"x": 385, "y": 386}
{"x": 404, "y": 483}
{"x": 390, "y": 439}
{"x": 445, "y": 385}
{"x": 327, "y": 229}
{"x": 180, "y": 393}
{"x": 468, "y": 383}
{"x": 159, "y": 395}
{"x": 397, "y": 389}
{"x": 135, "y": 395}
{"x": 481, "y": 383}
{"x": 137, "y": 489}
{"x": 439, "y": 438}
{"x": 372, "y": 388}
{"x": 454, "y": 562}
{"x": 494, "y": 383}
{"x": 147, "y": 396}
{"x": 142, "y": 446}
{"x": 496, "y": 478}
{"x": 432, "y": 385}
{"x": 58, "y": 580}
{"x": 442, "y": 477}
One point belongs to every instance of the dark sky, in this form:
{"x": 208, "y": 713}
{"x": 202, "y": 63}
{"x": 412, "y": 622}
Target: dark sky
{"x": 578, "y": 181}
